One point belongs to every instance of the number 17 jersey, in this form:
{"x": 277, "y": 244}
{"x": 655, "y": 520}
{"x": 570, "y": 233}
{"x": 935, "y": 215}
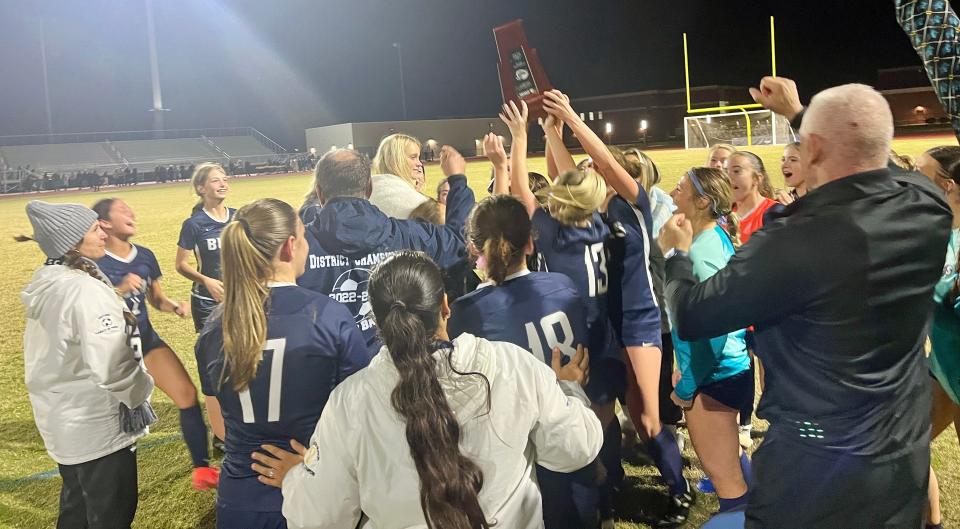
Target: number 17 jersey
{"x": 312, "y": 345}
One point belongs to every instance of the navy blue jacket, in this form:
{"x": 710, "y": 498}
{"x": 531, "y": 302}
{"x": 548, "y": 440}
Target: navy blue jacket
{"x": 350, "y": 236}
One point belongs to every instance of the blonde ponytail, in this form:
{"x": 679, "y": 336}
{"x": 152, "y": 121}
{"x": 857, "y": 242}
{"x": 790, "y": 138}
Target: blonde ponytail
{"x": 576, "y": 196}
{"x": 248, "y": 246}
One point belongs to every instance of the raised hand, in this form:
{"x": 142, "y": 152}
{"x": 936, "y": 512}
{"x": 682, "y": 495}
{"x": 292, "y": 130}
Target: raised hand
{"x": 577, "y": 369}
{"x": 778, "y": 94}
{"x": 551, "y": 124}
{"x": 451, "y": 161}
{"x": 494, "y": 151}
{"x": 557, "y": 103}
{"x": 515, "y": 118}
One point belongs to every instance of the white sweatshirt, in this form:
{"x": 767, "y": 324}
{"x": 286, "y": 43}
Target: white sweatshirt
{"x": 359, "y": 459}
{"x": 79, "y": 365}
{"x": 394, "y": 196}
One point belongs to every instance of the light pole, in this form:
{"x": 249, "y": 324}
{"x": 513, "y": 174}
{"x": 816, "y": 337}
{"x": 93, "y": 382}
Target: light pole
{"x": 157, "y": 108}
{"x": 403, "y": 93}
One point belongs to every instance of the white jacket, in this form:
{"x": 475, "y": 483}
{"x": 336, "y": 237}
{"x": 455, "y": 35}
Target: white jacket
{"x": 79, "y": 365}
{"x": 359, "y": 459}
{"x": 394, "y": 196}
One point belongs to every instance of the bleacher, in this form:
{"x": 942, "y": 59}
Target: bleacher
{"x": 33, "y": 156}
{"x": 149, "y": 153}
{"x": 58, "y": 157}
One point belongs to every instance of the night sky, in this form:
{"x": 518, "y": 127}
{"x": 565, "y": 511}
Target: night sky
{"x": 285, "y": 65}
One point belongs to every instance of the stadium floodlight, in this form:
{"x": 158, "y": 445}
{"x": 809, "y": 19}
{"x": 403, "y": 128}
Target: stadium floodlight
{"x": 350, "y": 146}
{"x": 313, "y": 150}
{"x": 643, "y": 124}
{"x": 608, "y": 128}
{"x": 709, "y": 120}
{"x": 591, "y": 116}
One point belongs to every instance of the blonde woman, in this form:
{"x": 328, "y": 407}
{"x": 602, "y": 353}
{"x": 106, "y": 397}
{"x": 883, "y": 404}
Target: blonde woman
{"x": 397, "y": 176}
{"x": 271, "y": 357}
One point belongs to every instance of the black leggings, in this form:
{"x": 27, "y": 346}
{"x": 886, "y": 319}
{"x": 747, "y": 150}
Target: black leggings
{"x": 100, "y": 494}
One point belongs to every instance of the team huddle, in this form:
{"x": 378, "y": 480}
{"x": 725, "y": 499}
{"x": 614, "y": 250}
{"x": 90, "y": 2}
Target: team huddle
{"x": 383, "y": 359}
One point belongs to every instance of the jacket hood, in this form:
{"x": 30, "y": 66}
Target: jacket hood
{"x": 43, "y": 288}
{"x": 351, "y": 227}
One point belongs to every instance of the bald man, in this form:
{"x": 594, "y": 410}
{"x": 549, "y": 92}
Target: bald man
{"x": 838, "y": 286}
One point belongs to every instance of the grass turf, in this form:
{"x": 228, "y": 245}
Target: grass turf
{"x": 29, "y": 486}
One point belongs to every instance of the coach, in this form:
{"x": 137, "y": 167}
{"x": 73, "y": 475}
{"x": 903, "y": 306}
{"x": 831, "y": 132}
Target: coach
{"x": 839, "y": 287}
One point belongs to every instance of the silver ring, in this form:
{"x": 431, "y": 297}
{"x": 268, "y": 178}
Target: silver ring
{"x": 270, "y": 473}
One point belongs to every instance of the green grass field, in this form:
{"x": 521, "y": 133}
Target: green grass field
{"x": 28, "y": 486}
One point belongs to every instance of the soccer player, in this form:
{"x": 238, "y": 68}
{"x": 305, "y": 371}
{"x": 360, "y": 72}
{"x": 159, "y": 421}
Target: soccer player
{"x": 715, "y": 377}
{"x": 135, "y": 273}
{"x": 350, "y": 235}
{"x": 571, "y": 237}
{"x": 942, "y": 166}
{"x": 632, "y": 302}
{"x": 271, "y": 355}
{"x": 436, "y": 433}
{"x": 538, "y": 311}
{"x": 752, "y": 200}
{"x": 752, "y": 191}
{"x": 200, "y": 235}
{"x": 792, "y": 171}
{"x": 718, "y": 154}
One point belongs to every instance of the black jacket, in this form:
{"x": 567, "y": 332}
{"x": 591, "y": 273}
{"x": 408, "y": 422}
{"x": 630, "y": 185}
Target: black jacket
{"x": 839, "y": 286}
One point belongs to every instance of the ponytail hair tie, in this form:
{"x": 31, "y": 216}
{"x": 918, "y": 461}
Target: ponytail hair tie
{"x": 398, "y": 305}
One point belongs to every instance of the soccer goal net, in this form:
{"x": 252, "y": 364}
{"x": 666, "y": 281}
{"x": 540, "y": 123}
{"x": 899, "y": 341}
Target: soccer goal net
{"x": 757, "y": 127}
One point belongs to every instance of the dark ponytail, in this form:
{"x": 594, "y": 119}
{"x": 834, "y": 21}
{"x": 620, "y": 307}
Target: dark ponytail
{"x": 406, "y": 294}
{"x": 500, "y": 229}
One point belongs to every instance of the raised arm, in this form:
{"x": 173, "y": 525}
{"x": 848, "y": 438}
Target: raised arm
{"x": 616, "y": 176}
{"x": 516, "y": 120}
{"x": 933, "y": 29}
{"x": 557, "y": 153}
{"x": 493, "y": 149}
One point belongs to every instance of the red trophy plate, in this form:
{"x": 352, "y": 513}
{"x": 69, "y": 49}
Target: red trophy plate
{"x": 522, "y": 76}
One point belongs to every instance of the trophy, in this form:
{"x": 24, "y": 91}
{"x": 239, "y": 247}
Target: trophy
{"x": 521, "y": 74}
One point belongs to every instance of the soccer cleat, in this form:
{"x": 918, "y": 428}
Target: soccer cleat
{"x": 678, "y": 509}
{"x": 205, "y": 478}
{"x": 608, "y": 523}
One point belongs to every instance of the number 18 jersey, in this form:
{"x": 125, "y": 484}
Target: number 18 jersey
{"x": 312, "y": 345}
{"x": 534, "y": 310}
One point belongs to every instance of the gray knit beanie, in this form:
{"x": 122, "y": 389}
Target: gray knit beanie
{"x": 59, "y": 227}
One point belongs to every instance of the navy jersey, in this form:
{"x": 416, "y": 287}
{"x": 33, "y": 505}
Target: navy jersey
{"x": 201, "y": 234}
{"x": 534, "y": 310}
{"x": 633, "y": 306}
{"x": 312, "y": 345}
{"x": 351, "y": 235}
{"x": 141, "y": 262}
{"x": 580, "y": 253}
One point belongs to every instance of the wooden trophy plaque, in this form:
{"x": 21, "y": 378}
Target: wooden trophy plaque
{"x": 522, "y": 76}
